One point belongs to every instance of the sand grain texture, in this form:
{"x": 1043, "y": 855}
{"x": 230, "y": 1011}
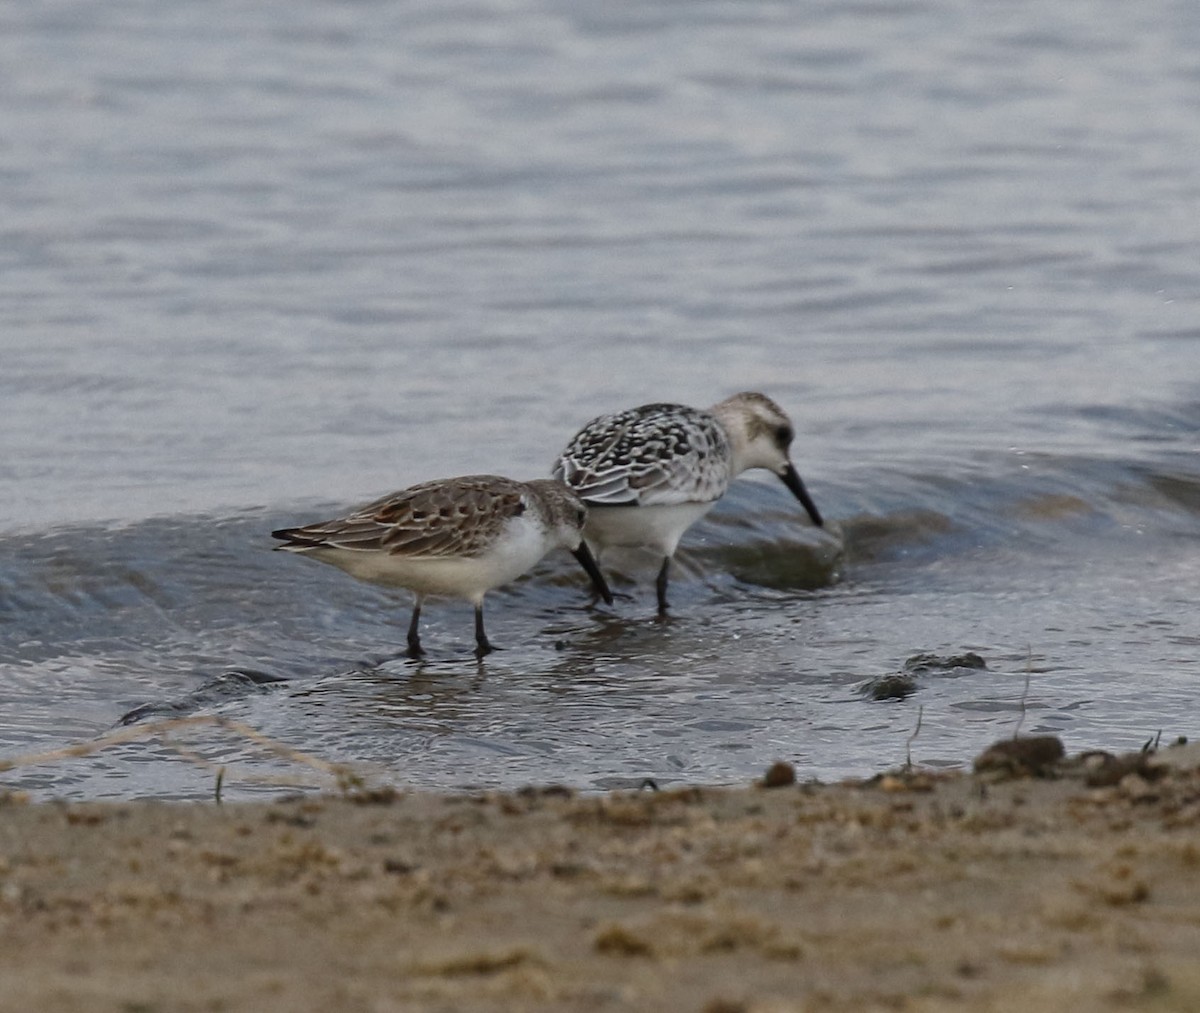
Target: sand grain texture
{"x": 918, "y": 892}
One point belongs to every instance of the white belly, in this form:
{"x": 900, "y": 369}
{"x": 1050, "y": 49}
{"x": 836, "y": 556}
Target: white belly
{"x": 514, "y": 553}
{"x": 651, "y": 527}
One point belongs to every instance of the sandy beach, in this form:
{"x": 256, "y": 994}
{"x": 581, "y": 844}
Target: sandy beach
{"x": 1036, "y": 884}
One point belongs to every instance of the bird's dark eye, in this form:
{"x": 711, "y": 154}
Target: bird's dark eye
{"x": 581, "y": 516}
{"x": 784, "y": 435}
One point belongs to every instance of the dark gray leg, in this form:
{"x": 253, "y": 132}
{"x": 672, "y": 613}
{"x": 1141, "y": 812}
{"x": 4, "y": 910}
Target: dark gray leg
{"x": 661, "y": 586}
{"x": 482, "y": 645}
{"x": 415, "y": 650}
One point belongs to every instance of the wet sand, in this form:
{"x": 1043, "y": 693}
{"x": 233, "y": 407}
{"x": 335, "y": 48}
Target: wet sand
{"x": 1075, "y": 890}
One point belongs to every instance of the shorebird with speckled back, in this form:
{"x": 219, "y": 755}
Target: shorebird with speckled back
{"x": 454, "y": 538}
{"x": 648, "y": 474}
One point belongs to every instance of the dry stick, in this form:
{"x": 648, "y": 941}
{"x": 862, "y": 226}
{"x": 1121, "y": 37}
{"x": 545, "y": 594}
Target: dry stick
{"x": 1025, "y": 691}
{"x": 340, "y": 772}
{"x": 95, "y": 745}
{"x": 343, "y": 775}
{"x": 912, "y": 739}
{"x": 201, "y": 761}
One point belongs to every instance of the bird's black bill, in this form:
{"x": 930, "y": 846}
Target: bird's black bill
{"x": 792, "y": 480}
{"x": 588, "y": 562}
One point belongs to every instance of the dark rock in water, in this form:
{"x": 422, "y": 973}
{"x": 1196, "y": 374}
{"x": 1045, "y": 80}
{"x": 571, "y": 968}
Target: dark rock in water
{"x": 226, "y": 686}
{"x": 925, "y": 662}
{"x": 253, "y": 675}
{"x": 779, "y": 775}
{"x": 904, "y": 683}
{"x": 1033, "y": 755}
{"x": 890, "y": 687}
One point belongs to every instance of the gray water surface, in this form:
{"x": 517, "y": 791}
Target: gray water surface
{"x": 258, "y": 265}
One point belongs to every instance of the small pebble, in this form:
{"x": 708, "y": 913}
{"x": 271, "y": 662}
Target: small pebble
{"x": 1033, "y": 754}
{"x": 779, "y": 775}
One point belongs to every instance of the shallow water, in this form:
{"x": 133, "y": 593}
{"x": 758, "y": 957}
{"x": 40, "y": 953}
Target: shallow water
{"x": 262, "y": 265}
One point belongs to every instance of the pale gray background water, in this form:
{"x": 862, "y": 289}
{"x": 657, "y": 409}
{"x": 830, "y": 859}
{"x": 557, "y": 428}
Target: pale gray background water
{"x": 260, "y": 262}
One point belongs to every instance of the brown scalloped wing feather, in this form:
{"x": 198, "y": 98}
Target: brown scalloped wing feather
{"x": 458, "y": 517}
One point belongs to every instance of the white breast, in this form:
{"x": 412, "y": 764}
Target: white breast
{"x": 652, "y": 527}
